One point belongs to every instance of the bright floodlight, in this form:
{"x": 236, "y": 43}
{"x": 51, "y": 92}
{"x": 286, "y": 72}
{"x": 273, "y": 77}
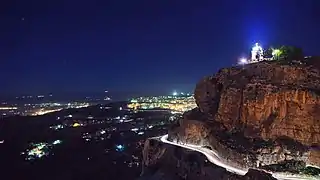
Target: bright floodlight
{"x": 276, "y": 52}
{"x": 243, "y": 61}
{"x": 175, "y": 93}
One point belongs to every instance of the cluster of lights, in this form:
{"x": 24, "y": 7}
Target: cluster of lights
{"x": 175, "y": 103}
{"x": 46, "y": 108}
{"x": 57, "y": 127}
{"x": 43, "y": 111}
{"x": 8, "y": 108}
{"x": 40, "y": 150}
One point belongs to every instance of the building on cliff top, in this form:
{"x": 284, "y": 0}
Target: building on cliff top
{"x": 257, "y": 55}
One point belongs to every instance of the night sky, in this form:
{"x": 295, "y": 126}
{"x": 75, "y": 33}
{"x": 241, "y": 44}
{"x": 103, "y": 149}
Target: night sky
{"x": 140, "y": 45}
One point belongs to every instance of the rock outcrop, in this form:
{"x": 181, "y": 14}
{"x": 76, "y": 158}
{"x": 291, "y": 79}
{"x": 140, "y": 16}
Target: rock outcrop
{"x": 266, "y": 100}
{"x": 264, "y": 116}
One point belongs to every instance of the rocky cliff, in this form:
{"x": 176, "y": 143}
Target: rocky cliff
{"x": 266, "y": 100}
{"x": 264, "y": 116}
{"x": 167, "y": 162}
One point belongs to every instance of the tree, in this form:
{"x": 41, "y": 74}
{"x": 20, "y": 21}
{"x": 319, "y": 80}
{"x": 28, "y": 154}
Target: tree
{"x": 276, "y": 54}
{"x": 290, "y": 53}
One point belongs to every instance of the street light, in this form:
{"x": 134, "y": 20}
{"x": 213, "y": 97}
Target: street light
{"x": 243, "y": 61}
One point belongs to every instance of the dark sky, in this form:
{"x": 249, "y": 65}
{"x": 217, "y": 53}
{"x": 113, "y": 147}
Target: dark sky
{"x": 140, "y": 45}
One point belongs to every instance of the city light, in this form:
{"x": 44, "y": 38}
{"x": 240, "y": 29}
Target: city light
{"x": 43, "y": 111}
{"x": 39, "y": 150}
{"x": 174, "y": 93}
{"x": 8, "y": 108}
{"x": 119, "y": 147}
{"x": 56, "y": 142}
{"x": 76, "y": 125}
{"x": 174, "y": 103}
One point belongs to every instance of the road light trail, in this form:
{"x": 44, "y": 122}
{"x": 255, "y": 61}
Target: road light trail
{"x": 215, "y": 159}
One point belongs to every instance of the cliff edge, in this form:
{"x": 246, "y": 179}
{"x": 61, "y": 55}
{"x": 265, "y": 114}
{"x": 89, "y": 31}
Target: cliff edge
{"x": 263, "y": 116}
{"x": 266, "y": 100}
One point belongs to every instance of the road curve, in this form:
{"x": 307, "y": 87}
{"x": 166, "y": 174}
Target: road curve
{"x": 214, "y": 158}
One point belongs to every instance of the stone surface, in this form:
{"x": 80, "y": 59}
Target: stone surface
{"x": 265, "y": 116}
{"x": 178, "y": 163}
{"x": 266, "y": 100}
{"x": 262, "y": 114}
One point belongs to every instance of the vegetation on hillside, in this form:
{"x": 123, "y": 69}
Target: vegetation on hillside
{"x": 286, "y": 166}
{"x": 311, "y": 171}
{"x": 286, "y": 53}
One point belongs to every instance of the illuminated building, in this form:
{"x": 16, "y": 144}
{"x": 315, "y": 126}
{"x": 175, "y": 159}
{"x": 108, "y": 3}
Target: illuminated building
{"x": 256, "y": 53}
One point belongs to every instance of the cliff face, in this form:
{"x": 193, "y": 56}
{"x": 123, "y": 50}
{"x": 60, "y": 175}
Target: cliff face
{"x": 172, "y": 163}
{"x": 263, "y": 116}
{"x": 265, "y": 100}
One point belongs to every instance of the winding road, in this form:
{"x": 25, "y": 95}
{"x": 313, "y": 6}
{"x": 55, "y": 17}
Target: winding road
{"x": 214, "y": 158}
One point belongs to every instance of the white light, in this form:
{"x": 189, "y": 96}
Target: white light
{"x": 257, "y": 50}
{"x": 175, "y": 93}
{"x": 120, "y": 146}
{"x": 243, "y": 61}
{"x": 56, "y": 142}
{"x": 257, "y": 47}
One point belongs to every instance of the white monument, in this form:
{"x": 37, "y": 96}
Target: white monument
{"x": 256, "y": 53}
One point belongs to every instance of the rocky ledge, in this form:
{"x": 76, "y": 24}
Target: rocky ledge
{"x": 264, "y": 116}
